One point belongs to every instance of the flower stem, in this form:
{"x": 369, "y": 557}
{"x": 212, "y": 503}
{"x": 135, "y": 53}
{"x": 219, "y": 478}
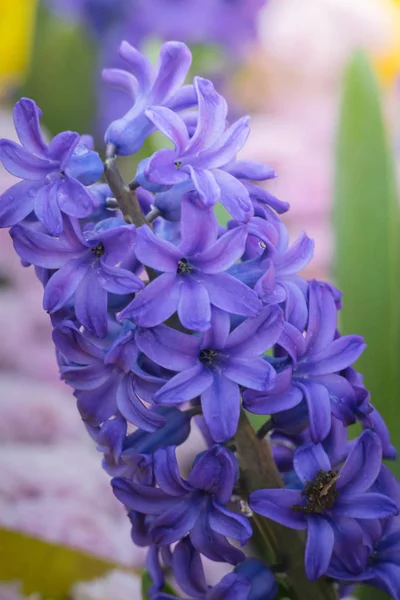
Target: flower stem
{"x": 125, "y": 197}
{"x": 258, "y": 471}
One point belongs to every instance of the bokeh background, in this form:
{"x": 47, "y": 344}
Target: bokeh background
{"x": 321, "y": 80}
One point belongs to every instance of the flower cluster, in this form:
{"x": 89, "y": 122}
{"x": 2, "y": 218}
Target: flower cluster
{"x": 170, "y": 319}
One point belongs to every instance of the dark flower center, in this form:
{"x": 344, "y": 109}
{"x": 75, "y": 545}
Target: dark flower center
{"x": 183, "y": 267}
{"x": 208, "y": 356}
{"x": 320, "y": 494}
{"x": 178, "y": 164}
{"x": 98, "y": 250}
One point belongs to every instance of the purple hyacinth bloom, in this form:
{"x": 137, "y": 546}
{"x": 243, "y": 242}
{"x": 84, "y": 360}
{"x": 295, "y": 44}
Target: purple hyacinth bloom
{"x": 371, "y": 554}
{"x": 250, "y": 580}
{"x": 203, "y": 157}
{"x": 131, "y": 456}
{"x": 193, "y": 276}
{"x": 311, "y": 371}
{"x": 328, "y": 495}
{"x": 107, "y": 379}
{"x": 273, "y": 274}
{"x": 88, "y": 267}
{"x": 194, "y": 507}
{"x": 146, "y": 86}
{"x": 53, "y": 175}
{"x": 215, "y": 364}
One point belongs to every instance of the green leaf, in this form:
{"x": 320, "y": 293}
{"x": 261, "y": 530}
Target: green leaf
{"x": 147, "y": 583}
{"x": 62, "y": 74}
{"x": 45, "y": 568}
{"x": 367, "y": 238}
{"x": 366, "y": 216}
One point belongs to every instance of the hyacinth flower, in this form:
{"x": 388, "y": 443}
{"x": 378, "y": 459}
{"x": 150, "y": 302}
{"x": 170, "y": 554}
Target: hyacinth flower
{"x": 53, "y": 175}
{"x": 327, "y": 495}
{"x": 147, "y": 85}
{"x": 87, "y": 267}
{"x": 194, "y": 277}
{"x": 272, "y": 273}
{"x": 214, "y": 365}
{"x": 195, "y": 506}
{"x": 312, "y": 373}
{"x": 250, "y": 580}
{"x": 202, "y": 157}
{"x": 223, "y": 325}
{"x": 106, "y": 379}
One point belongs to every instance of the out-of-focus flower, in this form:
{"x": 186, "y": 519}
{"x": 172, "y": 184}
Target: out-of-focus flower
{"x": 16, "y": 29}
{"x": 292, "y": 83}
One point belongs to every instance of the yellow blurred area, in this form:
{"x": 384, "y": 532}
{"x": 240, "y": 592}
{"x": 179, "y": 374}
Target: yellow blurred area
{"x": 17, "y": 19}
{"x": 387, "y": 64}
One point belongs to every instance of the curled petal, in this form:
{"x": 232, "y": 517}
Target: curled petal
{"x": 140, "y": 65}
{"x": 132, "y": 409}
{"x": 206, "y": 185}
{"x": 173, "y": 65}
{"x": 26, "y": 120}
{"x": 167, "y": 474}
{"x": 213, "y": 110}
{"x": 229, "y": 524}
{"x": 362, "y": 465}
{"x": 23, "y": 164}
{"x": 322, "y": 317}
{"x": 234, "y": 195}
{"x": 226, "y": 147}
{"x": 121, "y": 80}
{"x": 169, "y": 124}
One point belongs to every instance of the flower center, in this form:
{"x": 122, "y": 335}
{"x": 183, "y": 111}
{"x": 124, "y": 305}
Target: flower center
{"x": 183, "y": 267}
{"x": 178, "y": 164}
{"x": 320, "y": 494}
{"x": 98, "y": 250}
{"x": 208, "y": 356}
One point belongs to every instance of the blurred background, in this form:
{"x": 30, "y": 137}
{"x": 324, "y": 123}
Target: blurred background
{"x": 321, "y": 80}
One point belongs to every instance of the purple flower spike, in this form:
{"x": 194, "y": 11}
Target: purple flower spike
{"x": 193, "y": 276}
{"x": 328, "y": 495}
{"x": 52, "y": 174}
{"x": 313, "y": 368}
{"x": 147, "y": 85}
{"x": 88, "y": 267}
{"x": 203, "y": 157}
{"x": 214, "y": 365}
